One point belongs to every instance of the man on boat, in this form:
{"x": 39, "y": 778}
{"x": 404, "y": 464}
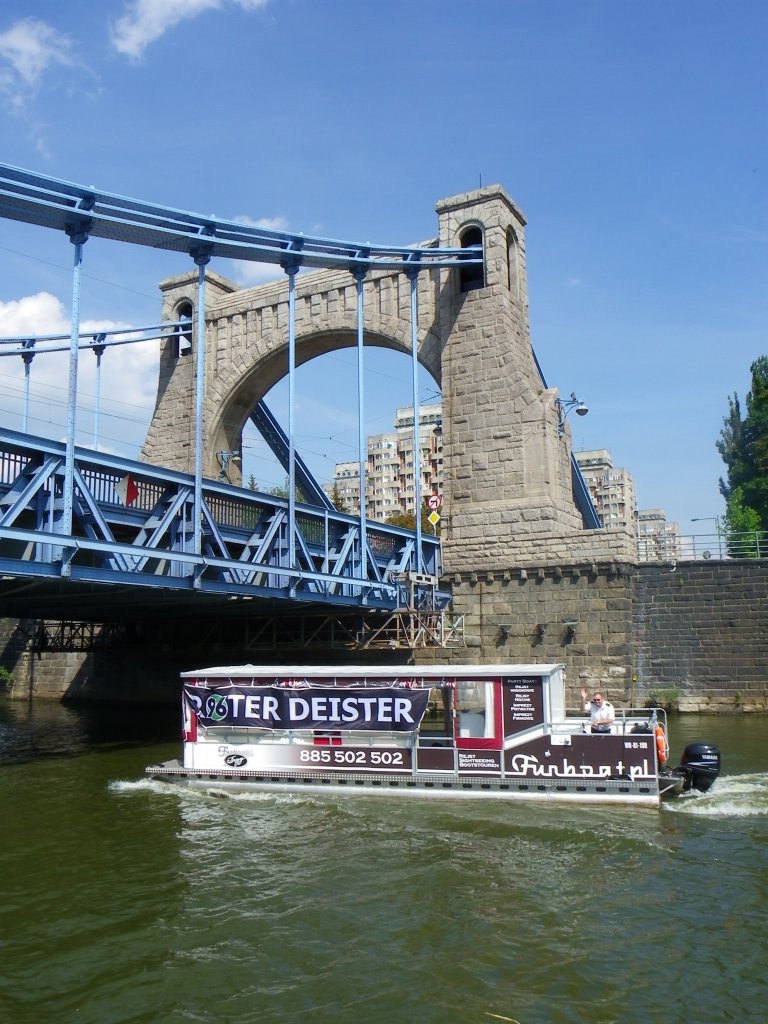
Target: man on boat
{"x": 600, "y": 711}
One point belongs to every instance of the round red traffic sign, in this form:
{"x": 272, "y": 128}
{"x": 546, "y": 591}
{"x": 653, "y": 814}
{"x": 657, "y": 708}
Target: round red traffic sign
{"x": 434, "y": 501}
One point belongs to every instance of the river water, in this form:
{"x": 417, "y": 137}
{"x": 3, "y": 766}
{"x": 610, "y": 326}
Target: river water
{"x": 125, "y": 900}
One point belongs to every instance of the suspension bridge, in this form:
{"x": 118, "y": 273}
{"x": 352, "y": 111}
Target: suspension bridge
{"x": 92, "y": 536}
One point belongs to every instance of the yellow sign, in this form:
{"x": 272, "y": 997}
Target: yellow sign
{"x": 434, "y": 518}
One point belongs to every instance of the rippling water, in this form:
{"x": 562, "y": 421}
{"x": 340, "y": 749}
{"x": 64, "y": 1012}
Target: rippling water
{"x": 125, "y": 900}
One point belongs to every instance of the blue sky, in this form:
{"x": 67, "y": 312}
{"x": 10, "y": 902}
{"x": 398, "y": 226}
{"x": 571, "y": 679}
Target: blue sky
{"x": 633, "y": 136}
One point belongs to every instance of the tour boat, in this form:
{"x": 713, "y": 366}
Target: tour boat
{"x": 451, "y": 730}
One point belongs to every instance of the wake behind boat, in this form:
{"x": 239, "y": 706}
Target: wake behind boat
{"x": 482, "y": 731}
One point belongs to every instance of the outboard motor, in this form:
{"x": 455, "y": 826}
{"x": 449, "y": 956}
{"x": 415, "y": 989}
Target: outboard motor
{"x": 699, "y": 766}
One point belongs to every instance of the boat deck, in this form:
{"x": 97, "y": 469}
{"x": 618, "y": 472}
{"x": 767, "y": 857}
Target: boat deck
{"x": 642, "y": 792}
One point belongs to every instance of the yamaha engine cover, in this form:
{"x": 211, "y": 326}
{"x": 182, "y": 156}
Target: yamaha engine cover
{"x": 700, "y": 766}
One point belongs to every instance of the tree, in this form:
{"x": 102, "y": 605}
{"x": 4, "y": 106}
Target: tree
{"x": 283, "y": 491}
{"x": 741, "y": 526}
{"x": 407, "y": 521}
{"x": 743, "y": 446}
{"x": 337, "y": 500}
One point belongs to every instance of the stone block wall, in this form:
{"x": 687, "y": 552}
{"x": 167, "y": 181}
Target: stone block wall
{"x": 700, "y": 632}
{"x": 702, "y": 629}
{"x": 577, "y": 615}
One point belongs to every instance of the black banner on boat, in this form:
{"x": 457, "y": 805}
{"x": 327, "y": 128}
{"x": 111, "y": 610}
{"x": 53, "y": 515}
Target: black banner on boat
{"x": 267, "y": 707}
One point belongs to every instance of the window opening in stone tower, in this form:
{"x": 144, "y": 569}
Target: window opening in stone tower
{"x": 472, "y": 276}
{"x": 184, "y": 333}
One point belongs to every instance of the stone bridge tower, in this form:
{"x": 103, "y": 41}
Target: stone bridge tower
{"x": 507, "y": 476}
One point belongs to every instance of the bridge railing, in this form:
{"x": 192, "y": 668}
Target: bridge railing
{"x": 135, "y": 524}
{"x": 726, "y": 544}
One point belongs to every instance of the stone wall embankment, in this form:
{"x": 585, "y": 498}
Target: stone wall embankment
{"x": 702, "y": 628}
{"x": 695, "y": 635}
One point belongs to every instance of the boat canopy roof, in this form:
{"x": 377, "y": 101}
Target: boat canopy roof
{"x": 409, "y": 672}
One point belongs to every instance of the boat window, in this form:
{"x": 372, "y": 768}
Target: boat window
{"x": 474, "y": 709}
{"x": 437, "y": 720}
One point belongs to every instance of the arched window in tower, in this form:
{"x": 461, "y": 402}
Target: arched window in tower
{"x": 513, "y": 264}
{"x": 473, "y": 275}
{"x": 183, "y": 336}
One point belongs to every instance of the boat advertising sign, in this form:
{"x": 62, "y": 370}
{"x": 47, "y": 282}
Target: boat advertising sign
{"x": 584, "y": 758}
{"x": 271, "y": 756}
{"x": 267, "y": 707}
{"x": 523, "y": 705}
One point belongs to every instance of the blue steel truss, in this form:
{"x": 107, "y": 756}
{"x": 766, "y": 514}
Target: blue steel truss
{"x": 275, "y": 437}
{"x": 134, "y": 525}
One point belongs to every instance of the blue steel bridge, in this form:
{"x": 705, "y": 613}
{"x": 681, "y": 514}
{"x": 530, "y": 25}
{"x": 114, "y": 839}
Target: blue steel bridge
{"x": 89, "y": 536}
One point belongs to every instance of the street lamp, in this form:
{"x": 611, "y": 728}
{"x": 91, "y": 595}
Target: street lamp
{"x": 565, "y": 406}
{"x": 224, "y": 460}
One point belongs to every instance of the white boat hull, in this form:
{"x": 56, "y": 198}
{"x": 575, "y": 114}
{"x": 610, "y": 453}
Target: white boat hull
{"x": 605, "y": 791}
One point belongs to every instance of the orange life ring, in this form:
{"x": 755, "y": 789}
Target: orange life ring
{"x": 661, "y": 745}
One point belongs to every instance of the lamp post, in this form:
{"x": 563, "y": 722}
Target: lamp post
{"x": 224, "y": 460}
{"x": 718, "y": 528}
{"x": 564, "y": 406}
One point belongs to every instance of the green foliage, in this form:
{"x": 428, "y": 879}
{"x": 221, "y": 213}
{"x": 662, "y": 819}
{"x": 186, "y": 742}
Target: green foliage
{"x": 669, "y": 699}
{"x": 743, "y": 446}
{"x": 407, "y": 521}
{"x": 338, "y": 501}
{"x": 6, "y": 678}
{"x": 740, "y": 522}
{"x": 739, "y": 517}
{"x": 283, "y": 491}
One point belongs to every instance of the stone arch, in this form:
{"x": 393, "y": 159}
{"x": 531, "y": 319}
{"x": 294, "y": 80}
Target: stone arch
{"x": 506, "y": 465}
{"x": 234, "y": 393}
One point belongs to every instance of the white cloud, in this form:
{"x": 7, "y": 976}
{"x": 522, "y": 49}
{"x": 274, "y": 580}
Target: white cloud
{"x": 145, "y": 21}
{"x": 28, "y": 50}
{"x": 128, "y": 377}
{"x": 250, "y": 274}
{"x": 33, "y": 315}
{"x": 271, "y": 223}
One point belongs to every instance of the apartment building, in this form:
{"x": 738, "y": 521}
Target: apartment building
{"x": 390, "y": 485}
{"x": 611, "y": 488}
{"x": 657, "y": 539}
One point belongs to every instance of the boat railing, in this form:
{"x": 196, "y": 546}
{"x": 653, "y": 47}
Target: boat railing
{"x": 429, "y": 739}
{"x": 626, "y": 720}
{"x": 305, "y": 737}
